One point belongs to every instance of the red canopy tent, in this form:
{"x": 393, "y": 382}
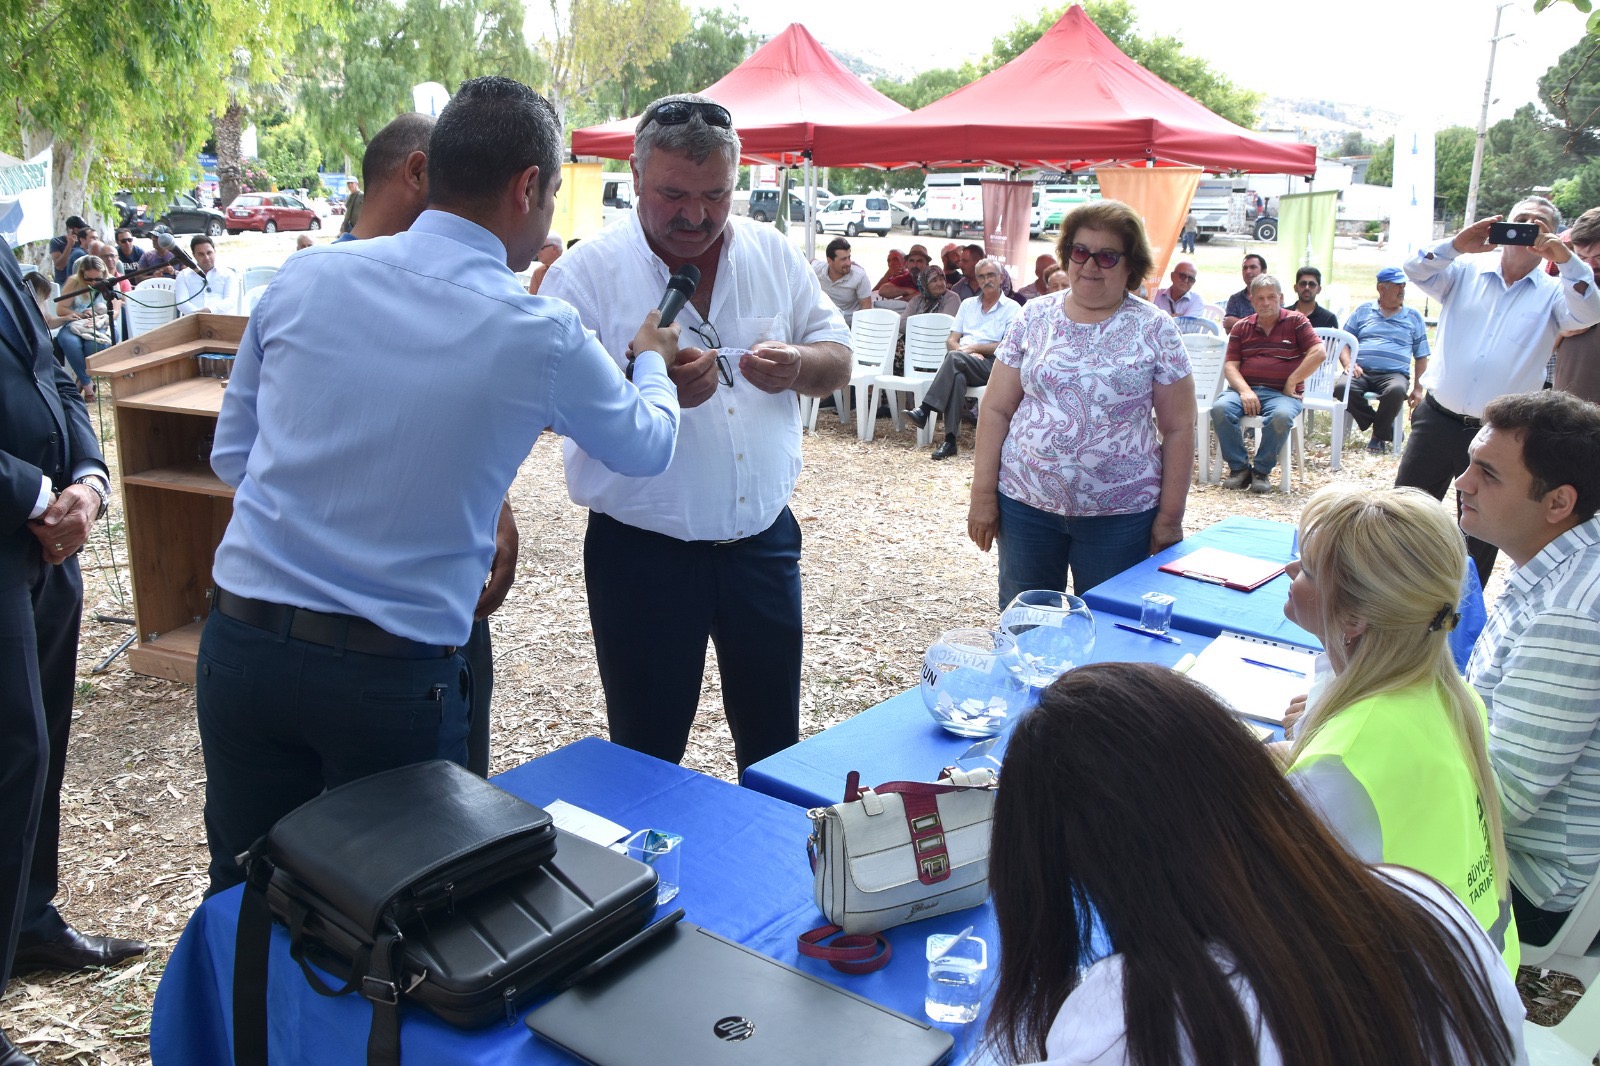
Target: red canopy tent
{"x": 1072, "y": 98}
{"x": 778, "y": 97}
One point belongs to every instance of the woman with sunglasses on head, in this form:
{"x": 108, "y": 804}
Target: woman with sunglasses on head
{"x": 1070, "y": 471}
{"x": 81, "y": 302}
{"x": 1138, "y": 816}
{"x": 1393, "y": 749}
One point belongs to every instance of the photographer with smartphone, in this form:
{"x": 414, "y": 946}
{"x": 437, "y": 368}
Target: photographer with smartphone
{"x": 1498, "y": 321}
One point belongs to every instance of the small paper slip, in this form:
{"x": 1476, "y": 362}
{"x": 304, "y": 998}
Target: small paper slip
{"x": 585, "y": 824}
{"x": 1255, "y": 676}
{"x": 1217, "y": 567}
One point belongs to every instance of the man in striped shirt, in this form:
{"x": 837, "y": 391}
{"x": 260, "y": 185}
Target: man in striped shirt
{"x": 1532, "y": 489}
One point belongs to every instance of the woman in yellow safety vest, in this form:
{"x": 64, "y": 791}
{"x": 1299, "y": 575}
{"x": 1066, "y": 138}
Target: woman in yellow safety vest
{"x": 1392, "y": 750}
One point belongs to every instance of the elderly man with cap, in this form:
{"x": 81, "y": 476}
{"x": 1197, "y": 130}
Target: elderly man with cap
{"x": 549, "y": 252}
{"x": 1393, "y": 337}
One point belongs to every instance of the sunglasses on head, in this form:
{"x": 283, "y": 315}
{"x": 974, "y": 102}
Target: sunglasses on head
{"x": 1106, "y": 259}
{"x": 677, "y": 112}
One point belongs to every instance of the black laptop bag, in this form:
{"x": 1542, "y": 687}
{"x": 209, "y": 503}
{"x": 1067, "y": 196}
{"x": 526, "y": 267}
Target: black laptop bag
{"x": 430, "y": 884}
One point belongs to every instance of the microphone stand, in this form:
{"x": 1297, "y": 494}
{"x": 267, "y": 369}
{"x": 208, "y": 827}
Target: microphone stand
{"x": 107, "y": 287}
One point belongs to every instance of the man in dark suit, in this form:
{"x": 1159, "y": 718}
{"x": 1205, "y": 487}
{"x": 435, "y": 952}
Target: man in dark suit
{"x": 53, "y": 487}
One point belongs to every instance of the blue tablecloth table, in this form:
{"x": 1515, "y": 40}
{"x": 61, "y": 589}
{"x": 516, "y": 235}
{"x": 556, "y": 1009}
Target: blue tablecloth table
{"x": 744, "y": 875}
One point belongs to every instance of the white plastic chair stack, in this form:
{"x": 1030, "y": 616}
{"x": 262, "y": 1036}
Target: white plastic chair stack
{"x": 872, "y": 336}
{"x": 1319, "y": 394}
{"x": 1206, "y": 354}
{"x": 1214, "y": 312}
{"x": 255, "y": 277}
{"x": 153, "y": 303}
{"x": 925, "y": 352}
{"x": 1188, "y": 324}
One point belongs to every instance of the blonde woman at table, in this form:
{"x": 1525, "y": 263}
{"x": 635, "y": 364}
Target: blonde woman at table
{"x": 1393, "y": 749}
{"x": 1070, "y": 471}
{"x": 1239, "y": 930}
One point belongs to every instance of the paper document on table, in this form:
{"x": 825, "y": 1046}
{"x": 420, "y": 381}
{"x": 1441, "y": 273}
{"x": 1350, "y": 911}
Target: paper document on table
{"x": 1255, "y": 676}
{"x": 585, "y": 824}
{"x": 1229, "y": 569}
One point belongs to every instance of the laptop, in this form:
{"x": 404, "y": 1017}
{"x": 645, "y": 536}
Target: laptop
{"x": 704, "y": 999}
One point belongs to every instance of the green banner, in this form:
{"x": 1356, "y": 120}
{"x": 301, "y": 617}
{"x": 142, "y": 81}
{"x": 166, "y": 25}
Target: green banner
{"x": 1305, "y": 232}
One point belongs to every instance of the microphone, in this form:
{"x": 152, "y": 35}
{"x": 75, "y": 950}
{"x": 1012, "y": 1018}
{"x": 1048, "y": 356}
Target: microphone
{"x": 680, "y": 287}
{"x": 165, "y": 242}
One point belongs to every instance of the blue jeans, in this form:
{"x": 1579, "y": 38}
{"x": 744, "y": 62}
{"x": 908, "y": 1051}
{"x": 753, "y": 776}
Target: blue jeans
{"x": 77, "y": 350}
{"x": 282, "y": 719}
{"x": 1037, "y": 547}
{"x": 1278, "y": 412}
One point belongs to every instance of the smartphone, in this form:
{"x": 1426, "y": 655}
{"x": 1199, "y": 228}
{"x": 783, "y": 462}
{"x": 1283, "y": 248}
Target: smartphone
{"x": 1524, "y": 233}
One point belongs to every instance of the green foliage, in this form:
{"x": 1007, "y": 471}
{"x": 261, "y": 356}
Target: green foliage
{"x": 1452, "y": 167}
{"x": 718, "y": 41}
{"x": 290, "y": 154}
{"x": 1381, "y": 170}
{"x": 1584, "y": 6}
{"x": 928, "y": 86}
{"x": 595, "y": 41}
{"x": 355, "y": 75}
{"x": 1162, "y": 56}
{"x": 1354, "y": 144}
{"x": 1520, "y": 154}
{"x": 1570, "y": 92}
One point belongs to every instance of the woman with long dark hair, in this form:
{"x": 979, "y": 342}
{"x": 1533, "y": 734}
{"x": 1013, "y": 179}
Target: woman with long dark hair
{"x": 1240, "y": 931}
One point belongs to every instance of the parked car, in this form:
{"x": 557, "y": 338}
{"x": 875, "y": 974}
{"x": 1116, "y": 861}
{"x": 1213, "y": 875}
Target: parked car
{"x": 764, "y": 205}
{"x": 851, "y": 215}
{"x": 184, "y": 215}
{"x": 270, "y": 212}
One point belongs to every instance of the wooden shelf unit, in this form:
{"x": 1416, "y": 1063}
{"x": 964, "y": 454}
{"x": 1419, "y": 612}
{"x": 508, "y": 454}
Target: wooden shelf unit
{"x": 174, "y": 507}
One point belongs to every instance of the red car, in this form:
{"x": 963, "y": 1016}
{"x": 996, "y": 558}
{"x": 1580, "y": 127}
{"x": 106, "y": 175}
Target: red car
{"x": 270, "y": 212}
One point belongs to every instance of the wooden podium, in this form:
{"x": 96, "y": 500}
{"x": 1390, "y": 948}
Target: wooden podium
{"x": 174, "y": 507}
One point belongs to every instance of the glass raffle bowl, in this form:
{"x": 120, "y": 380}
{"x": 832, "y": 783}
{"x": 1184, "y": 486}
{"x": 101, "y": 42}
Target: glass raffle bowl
{"x": 1054, "y": 632}
{"x": 973, "y": 682}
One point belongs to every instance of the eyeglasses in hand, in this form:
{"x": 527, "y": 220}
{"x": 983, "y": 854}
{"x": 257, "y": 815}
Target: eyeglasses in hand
{"x": 708, "y": 336}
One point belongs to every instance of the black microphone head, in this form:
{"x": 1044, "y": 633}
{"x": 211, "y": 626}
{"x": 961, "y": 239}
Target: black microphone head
{"x": 165, "y": 242}
{"x": 685, "y": 279}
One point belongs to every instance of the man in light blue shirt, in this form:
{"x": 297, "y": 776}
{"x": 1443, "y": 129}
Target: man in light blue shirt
{"x": 383, "y": 397}
{"x": 1392, "y": 337}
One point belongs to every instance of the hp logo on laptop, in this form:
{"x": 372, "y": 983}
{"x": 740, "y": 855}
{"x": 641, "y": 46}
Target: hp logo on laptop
{"x": 733, "y": 1028}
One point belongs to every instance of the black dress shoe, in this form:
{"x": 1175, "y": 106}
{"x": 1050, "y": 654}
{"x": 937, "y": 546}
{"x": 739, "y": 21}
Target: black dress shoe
{"x": 74, "y": 951}
{"x": 945, "y": 450}
{"x": 918, "y": 417}
{"x": 11, "y": 1055}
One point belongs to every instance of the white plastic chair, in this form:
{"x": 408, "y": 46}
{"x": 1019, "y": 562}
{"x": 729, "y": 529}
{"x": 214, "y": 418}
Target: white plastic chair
{"x": 153, "y": 303}
{"x": 257, "y": 276}
{"x": 925, "y": 351}
{"x": 1207, "y": 352}
{"x": 1214, "y": 313}
{"x": 1319, "y": 395}
{"x": 1572, "y": 949}
{"x": 1188, "y": 324}
{"x": 1573, "y": 1041}
{"x": 872, "y": 336}
{"x": 252, "y": 298}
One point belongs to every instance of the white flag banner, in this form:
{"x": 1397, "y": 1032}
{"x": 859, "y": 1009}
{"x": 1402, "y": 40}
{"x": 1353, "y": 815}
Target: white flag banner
{"x": 1411, "y": 209}
{"x": 25, "y": 201}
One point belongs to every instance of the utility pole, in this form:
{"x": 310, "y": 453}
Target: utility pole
{"x": 1471, "y": 213}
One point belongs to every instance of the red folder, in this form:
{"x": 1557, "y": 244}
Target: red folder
{"x": 1217, "y": 567}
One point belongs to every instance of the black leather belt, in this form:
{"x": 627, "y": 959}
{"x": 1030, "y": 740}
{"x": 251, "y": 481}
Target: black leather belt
{"x": 1465, "y": 420}
{"x": 344, "y": 631}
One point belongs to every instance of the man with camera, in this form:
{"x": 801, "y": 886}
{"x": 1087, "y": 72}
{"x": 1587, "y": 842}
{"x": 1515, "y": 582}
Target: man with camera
{"x": 1498, "y": 320}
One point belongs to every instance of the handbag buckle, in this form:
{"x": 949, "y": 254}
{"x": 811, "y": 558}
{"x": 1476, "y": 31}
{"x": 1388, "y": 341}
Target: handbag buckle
{"x": 935, "y": 867}
{"x": 928, "y": 843}
{"x": 380, "y": 991}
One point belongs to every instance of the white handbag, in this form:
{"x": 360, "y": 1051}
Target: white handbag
{"x": 903, "y": 851}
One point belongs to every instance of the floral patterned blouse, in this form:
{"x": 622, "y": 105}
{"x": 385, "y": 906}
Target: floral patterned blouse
{"x": 1082, "y": 441}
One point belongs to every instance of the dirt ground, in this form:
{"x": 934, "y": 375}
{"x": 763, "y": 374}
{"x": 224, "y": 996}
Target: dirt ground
{"x": 887, "y": 566}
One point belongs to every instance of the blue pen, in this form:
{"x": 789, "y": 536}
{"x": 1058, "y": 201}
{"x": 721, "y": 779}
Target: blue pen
{"x": 1273, "y": 666}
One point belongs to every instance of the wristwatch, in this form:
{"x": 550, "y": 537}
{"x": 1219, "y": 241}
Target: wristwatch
{"x": 98, "y": 484}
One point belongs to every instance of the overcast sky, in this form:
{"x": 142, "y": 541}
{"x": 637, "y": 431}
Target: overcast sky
{"x": 1400, "y": 55}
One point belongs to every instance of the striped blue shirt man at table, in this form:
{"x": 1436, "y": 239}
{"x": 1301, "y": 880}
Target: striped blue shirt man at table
{"x": 1532, "y": 491}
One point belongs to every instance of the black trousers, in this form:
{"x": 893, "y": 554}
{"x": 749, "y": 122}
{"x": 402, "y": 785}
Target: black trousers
{"x": 1392, "y": 388}
{"x": 38, "y": 659}
{"x": 654, "y": 601}
{"x": 1535, "y": 925}
{"x": 1435, "y": 455}
{"x": 479, "y": 653}
{"x": 948, "y": 390}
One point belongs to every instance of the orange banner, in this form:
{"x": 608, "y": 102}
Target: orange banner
{"x": 1161, "y": 196}
{"x": 1007, "y": 212}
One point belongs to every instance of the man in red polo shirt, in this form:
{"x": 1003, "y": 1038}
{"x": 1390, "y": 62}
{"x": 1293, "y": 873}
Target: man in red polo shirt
{"x": 1270, "y": 355}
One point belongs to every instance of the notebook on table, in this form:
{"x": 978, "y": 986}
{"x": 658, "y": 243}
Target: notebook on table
{"x": 694, "y": 996}
{"x": 1229, "y": 569}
